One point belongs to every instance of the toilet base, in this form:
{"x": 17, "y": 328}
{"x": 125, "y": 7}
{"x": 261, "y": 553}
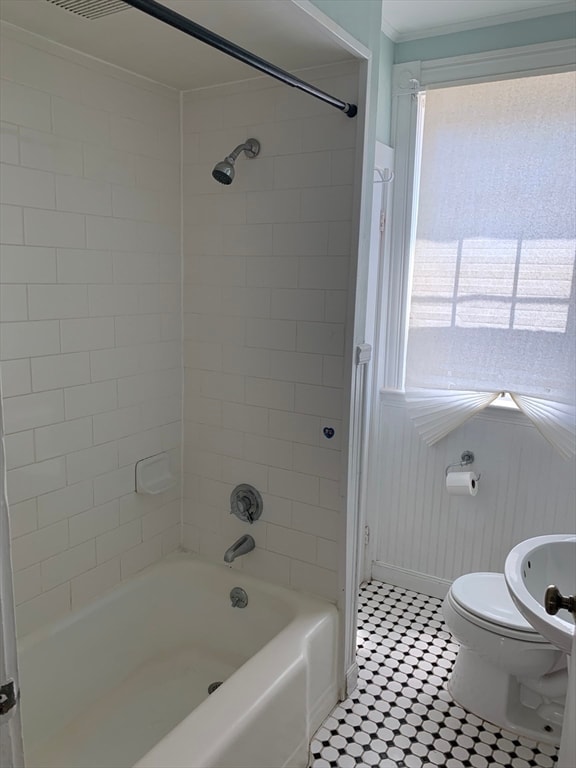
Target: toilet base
{"x": 491, "y": 694}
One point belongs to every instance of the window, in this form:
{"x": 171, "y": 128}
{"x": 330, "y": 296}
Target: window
{"x": 491, "y": 291}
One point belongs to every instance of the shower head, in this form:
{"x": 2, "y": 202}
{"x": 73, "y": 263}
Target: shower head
{"x": 223, "y": 171}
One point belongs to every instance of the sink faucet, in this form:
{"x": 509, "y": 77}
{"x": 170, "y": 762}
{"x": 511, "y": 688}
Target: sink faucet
{"x": 244, "y": 545}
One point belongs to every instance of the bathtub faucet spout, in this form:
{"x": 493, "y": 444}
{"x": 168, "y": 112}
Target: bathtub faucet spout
{"x": 244, "y": 545}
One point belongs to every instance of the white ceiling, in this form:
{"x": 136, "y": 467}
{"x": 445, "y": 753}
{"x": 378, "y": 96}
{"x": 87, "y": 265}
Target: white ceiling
{"x": 280, "y": 31}
{"x": 413, "y": 19}
{"x": 276, "y": 30}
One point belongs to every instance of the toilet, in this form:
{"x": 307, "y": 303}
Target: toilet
{"x": 505, "y": 672}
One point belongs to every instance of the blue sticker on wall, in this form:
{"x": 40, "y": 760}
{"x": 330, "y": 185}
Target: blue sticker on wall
{"x": 328, "y": 432}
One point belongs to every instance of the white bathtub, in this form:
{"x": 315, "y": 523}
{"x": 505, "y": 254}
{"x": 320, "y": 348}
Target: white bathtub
{"x": 124, "y": 680}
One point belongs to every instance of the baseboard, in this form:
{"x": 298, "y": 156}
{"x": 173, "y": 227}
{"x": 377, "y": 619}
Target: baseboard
{"x": 351, "y": 679}
{"x": 418, "y": 582}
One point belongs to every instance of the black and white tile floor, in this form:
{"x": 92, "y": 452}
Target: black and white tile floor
{"x": 401, "y": 715}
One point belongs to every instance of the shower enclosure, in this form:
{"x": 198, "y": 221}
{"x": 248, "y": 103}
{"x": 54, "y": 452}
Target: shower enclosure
{"x": 149, "y": 309}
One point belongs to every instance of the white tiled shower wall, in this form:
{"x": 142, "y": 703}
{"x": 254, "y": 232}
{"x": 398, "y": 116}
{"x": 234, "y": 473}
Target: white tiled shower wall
{"x": 90, "y": 273}
{"x": 266, "y": 271}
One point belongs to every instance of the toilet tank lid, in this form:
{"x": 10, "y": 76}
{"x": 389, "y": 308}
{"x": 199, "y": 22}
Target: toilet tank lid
{"x": 486, "y": 595}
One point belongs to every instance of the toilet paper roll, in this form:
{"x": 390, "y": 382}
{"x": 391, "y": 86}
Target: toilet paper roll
{"x": 462, "y": 483}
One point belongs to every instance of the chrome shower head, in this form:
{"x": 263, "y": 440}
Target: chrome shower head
{"x": 223, "y": 171}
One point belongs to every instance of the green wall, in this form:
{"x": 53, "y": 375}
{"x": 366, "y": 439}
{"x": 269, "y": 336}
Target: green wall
{"x": 545, "y": 29}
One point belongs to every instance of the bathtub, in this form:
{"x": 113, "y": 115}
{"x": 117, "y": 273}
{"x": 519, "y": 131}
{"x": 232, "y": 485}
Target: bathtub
{"x": 124, "y": 681}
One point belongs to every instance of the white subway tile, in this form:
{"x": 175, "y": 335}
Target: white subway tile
{"x": 296, "y": 366}
{"x": 336, "y": 306}
{"x": 333, "y": 371}
{"x": 340, "y": 238}
{"x": 63, "y": 567}
{"x": 27, "y": 583}
{"x": 83, "y": 266}
{"x": 108, "y": 300}
{"x": 29, "y": 339}
{"x": 105, "y": 164}
{"x": 236, "y": 471}
{"x": 294, "y": 426}
{"x": 304, "y": 239}
{"x": 39, "y": 545}
{"x": 23, "y": 518}
{"x": 316, "y": 521}
{"x": 64, "y": 503}
{"x": 79, "y": 195}
{"x": 160, "y": 298}
{"x": 294, "y": 544}
{"x": 325, "y": 273}
{"x": 271, "y": 334}
{"x": 317, "y": 461}
{"x": 56, "y": 371}
{"x": 246, "y": 418}
{"x": 91, "y": 462}
{"x": 140, "y": 329}
{"x": 129, "y": 135}
{"x": 48, "y": 152}
{"x": 140, "y": 556}
{"x": 247, "y": 240}
{"x": 294, "y": 485}
{"x": 26, "y": 64}
{"x": 327, "y": 204}
{"x": 307, "y": 170}
{"x": 87, "y": 525}
{"x": 119, "y": 540}
{"x": 269, "y": 566}
{"x": 159, "y": 520}
{"x": 327, "y": 555}
{"x": 271, "y": 272}
{"x": 330, "y": 495}
{"x": 59, "y": 439}
{"x": 319, "y": 401}
{"x": 136, "y": 268}
{"x": 78, "y": 121}
{"x": 25, "y": 264}
{"x": 19, "y": 449}
{"x": 13, "y": 303}
{"x": 54, "y": 228}
{"x": 297, "y": 304}
{"x": 90, "y": 398}
{"x": 114, "y": 363}
{"x": 245, "y": 301}
{"x": 43, "y": 609}
{"x": 29, "y": 411}
{"x": 273, "y": 206}
{"x": 11, "y": 227}
{"x": 23, "y": 186}
{"x": 87, "y": 334}
{"x": 244, "y": 360}
{"x": 326, "y": 338}
{"x": 139, "y": 446}
{"x": 50, "y": 302}
{"x": 94, "y": 583}
{"x": 25, "y": 106}
{"x": 311, "y": 578}
{"x": 323, "y": 133}
{"x": 15, "y": 377}
{"x": 223, "y": 386}
{"x": 268, "y": 450}
{"x": 112, "y": 485}
{"x": 270, "y": 394}
{"x": 115, "y": 424}
{"x": 9, "y": 149}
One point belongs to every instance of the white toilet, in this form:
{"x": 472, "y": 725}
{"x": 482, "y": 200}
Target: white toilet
{"x": 505, "y": 671}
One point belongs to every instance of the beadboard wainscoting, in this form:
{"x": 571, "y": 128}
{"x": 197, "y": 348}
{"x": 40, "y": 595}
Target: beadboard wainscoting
{"x": 90, "y": 335}
{"x": 423, "y": 538}
{"x": 266, "y": 266}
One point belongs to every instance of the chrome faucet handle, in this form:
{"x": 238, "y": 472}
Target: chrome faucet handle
{"x": 554, "y": 601}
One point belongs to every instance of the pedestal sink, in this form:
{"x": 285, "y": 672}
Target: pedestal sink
{"x": 531, "y": 567}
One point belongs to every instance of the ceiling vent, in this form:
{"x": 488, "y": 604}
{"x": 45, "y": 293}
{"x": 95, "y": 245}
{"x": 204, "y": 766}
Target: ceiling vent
{"x": 91, "y": 9}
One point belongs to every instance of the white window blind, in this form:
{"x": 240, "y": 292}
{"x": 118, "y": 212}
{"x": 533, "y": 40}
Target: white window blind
{"x": 492, "y": 301}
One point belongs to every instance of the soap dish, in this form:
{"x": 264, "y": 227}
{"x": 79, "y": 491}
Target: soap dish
{"x": 153, "y": 474}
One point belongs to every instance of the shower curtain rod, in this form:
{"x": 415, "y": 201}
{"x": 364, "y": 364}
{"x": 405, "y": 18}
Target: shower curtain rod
{"x": 184, "y": 24}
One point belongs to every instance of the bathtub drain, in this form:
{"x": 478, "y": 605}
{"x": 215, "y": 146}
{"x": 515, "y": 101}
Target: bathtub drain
{"x": 212, "y": 687}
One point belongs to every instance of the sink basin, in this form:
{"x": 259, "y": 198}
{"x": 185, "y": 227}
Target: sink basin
{"x": 531, "y": 567}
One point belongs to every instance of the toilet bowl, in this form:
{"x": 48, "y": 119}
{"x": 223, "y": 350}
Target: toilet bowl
{"x": 505, "y": 672}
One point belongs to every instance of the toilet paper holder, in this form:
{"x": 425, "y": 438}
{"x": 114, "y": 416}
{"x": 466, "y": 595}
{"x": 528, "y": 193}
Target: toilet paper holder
{"x": 466, "y": 458}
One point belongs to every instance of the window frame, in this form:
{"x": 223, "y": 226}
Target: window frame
{"x": 409, "y": 81}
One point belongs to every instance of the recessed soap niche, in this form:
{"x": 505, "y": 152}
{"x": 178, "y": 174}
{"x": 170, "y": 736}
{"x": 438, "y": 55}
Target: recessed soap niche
{"x": 153, "y": 474}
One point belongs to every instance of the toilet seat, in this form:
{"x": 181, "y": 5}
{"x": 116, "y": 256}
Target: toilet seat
{"x": 484, "y": 600}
